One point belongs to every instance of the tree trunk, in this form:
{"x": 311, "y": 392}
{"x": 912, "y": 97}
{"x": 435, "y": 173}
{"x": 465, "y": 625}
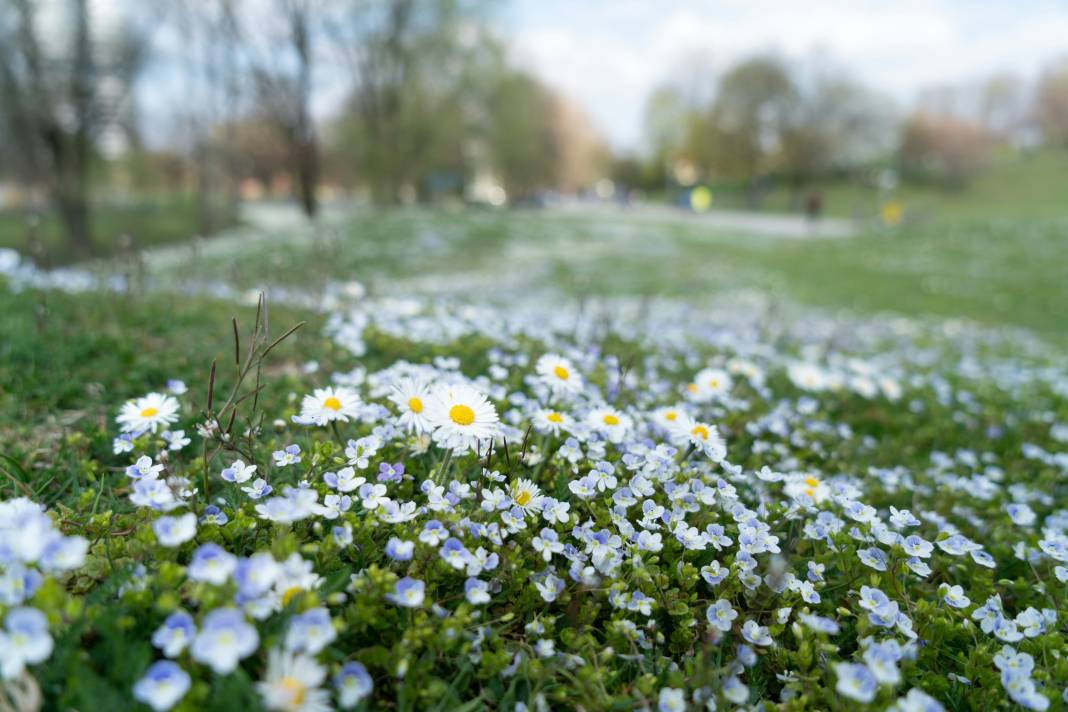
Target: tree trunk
{"x": 308, "y": 176}
{"x": 73, "y": 208}
{"x": 73, "y": 191}
{"x": 306, "y": 156}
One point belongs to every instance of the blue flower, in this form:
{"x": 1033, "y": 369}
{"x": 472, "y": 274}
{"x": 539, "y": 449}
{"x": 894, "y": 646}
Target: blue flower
{"x": 162, "y": 685}
{"x": 177, "y": 631}
{"x": 855, "y": 682}
{"x": 353, "y": 684}
{"x": 310, "y": 631}
{"x": 409, "y": 593}
{"x": 390, "y": 472}
{"x": 476, "y": 591}
{"x": 400, "y": 550}
{"x": 288, "y": 456}
{"x": 224, "y": 639}
{"x": 212, "y": 563}
{"x": 24, "y": 640}
{"x": 213, "y": 515}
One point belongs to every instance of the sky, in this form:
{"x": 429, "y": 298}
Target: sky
{"x": 608, "y": 55}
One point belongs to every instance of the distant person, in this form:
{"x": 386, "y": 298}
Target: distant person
{"x": 814, "y": 205}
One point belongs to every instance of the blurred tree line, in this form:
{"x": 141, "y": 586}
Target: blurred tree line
{"x": 426, "y": 103}
{"x": 800, "y": 124}
{"x": 420, "y": 100}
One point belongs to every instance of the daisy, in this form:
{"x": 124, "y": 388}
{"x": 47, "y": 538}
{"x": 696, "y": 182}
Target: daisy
{"x": 411, "y": 397}
{"x": 148, "y": 413}
{"x": 810, "y": 486}
{"x": 702, "y": 436}
{"x": 325, "y": 405}
{"x": 558, "y": 373}
{"x": 292, "y": 684}
{"x": 551, "y": 421}
{"x": 613, "y": 424}
{"x": 807, "y": 376}
{"x": 526, "y": 495}
{"x": 709, "y": 384}
{"x": 461, "y": 417}
{"x": 747, "y": 369}
{"x": 668, "y": 417}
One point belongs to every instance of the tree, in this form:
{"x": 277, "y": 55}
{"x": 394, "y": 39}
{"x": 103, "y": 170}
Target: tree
{"x": 281, "y": 54}
{"x": 422, "y": 71}
{"x": 665, "y": 120}
{"x": 752, "y": 111}
{"x": 52, "y": 104}
{"x": 945, "y": 148}
{"x": 836, "y": 124}
{"x": 524, "y": 150}
{"x": 1051, "y": 103}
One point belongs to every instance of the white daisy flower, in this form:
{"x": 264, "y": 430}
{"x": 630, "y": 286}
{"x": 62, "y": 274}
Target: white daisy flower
{"x": 292, "y": 683}
{"x": 558, "y": 373}
{"x": 325, "y": 405}
{"x": 526, "y": 495}
{"x": 551, "y": 421}
{"x": 410, "y": 397}
{"x": 461, "y": 417}
{"x": 668, "y": 417}
{"x": 613, "y": 424}
{"x": 808, "y": 485}
{"x": 709, "y": 384}
{"x": 148, "y": 413}
{"x": 702, "y": 436}
{"x": 808, "y": 376}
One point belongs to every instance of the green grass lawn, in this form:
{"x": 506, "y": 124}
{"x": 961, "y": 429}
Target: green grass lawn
{"x": 117, "y": 229}
{"x": 1015, "y": 185}
{"x": 996, "y": 272}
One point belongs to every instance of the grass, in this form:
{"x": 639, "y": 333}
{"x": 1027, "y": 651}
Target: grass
{"x": 1015, "y": 185}
{"x": 995, "y": 272}
{"x": 68, "y": 361}
{"x": 117, "y": 229}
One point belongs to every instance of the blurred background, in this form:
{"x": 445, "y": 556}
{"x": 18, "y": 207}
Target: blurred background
{"x": 125, "y": 125}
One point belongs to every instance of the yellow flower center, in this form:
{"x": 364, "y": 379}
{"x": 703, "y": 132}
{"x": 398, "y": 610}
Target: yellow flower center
{"x": 523, "y": 497}
{"x": 289, "y": 594}
{"x": 415, "y": 405}
{"x": 713, "y": 383}
{"x": 561, "y": 373}
{"x": 670, "y": 416}
{"x": 295, "y": 688}
{"x": 554, "y": 418}
{"x": 332, "y": 403}
{"x": 149, "y": 412}
{"x": 611, "y": 420}
{"x": 692, "y": 388}
{"x": 700, "y": 431}
{"x": 812, "y": 481}
{"x": 462, "y": 414}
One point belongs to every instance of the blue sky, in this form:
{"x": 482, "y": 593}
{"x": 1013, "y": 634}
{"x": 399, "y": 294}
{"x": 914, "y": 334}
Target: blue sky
{"x": 609, "y": 54}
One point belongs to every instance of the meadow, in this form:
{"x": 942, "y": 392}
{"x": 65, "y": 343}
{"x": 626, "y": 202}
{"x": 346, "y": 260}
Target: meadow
{"x": 465, "y": 460}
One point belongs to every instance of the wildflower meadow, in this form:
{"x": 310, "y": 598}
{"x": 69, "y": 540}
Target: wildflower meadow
{"x": 533, "y": 356}
{"x": 434, "y": 503}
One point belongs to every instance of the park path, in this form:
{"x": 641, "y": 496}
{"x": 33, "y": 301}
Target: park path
{"x": 790, "y": 226}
